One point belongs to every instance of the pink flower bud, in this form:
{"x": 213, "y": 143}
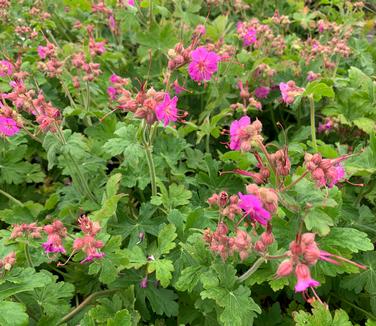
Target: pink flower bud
{"x": 267, "y": 238}
{"x": 285, "y": 268}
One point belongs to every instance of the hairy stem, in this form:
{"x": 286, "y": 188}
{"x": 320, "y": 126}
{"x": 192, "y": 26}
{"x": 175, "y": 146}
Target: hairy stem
{"x": 84, "y": 303}
{"x": 27, "y": 254}
{"x": 9, "y": 196}
{"x": 312, "y": 118}
{"x": 81, "y": 178}
{"x": 253, "y": 269}
{"x": 295, "y": 182}
{"x": 149, "y": 157}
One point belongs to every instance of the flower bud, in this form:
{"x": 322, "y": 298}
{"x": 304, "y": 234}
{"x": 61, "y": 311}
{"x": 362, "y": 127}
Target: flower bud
{"x": 285, "y": 268}
{"x": 267, "y": 238}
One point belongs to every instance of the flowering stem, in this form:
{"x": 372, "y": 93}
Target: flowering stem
{"x": 82, "y": 181}
{"x": 295, "y": 182}
{"x": 270, "y": 163}
{"x": 84, "y": 303}
{"x": 253, "y": 269}
{"x": 11, "y": 198}
{"x": 312, "y": 118}
{"x": 27, "y": 255}
{"x": 149, "y": 158}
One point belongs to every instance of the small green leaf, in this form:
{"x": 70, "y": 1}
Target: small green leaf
{"x": 163, "y": 269}
{"x": 318, "y": 90}
{"x": 166, "y": 239}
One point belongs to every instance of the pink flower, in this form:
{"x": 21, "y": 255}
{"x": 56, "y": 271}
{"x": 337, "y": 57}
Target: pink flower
{"x": 131, "y": 3}
{"x": 56, "y": 231}
{"x": 304, "y": 279}
{"x": 338, "y": 175}
{"x": 203, "y": 64}
{"x": 262, "y": 92}
{"x": 252, "y": 206}
{"x": 42, "y": 51}
{"x": 200, "y": 29}
{"x": 166, "y": 110}
{"x": 250, "y": 37}
{"x": 8, "y": 127}
{"x": 236, "y": 128}
{"x": 90, "y": 246}
{"x": 289, "y": 91}
{"x": 53, "y": 244}
{"x": 243, "y": 133}
{"x": 112, "y": 92}
{"x": 6, "y": 68}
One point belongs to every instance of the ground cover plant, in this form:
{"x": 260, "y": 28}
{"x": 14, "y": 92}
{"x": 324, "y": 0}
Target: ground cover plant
{"x": 187, "y": 162}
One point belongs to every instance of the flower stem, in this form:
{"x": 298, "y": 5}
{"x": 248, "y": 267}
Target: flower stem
{"x": 27, "y": 254}
{"x": 11, "y": 198}
{"x": 312, "y": 118}
{"x": 253, "y": 269}
{"x": 295, "y": 182}
{"x": 270, "y": 163}
{"x": 149, "y": 158}
{"x": 84, "y": 303}
{"x": 80, "y": 177}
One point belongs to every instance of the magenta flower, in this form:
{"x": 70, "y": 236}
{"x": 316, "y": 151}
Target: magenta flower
{"x": 250, "y": 37}
{"x": 166, "y": 110}
{"x": 6, "y": 68}
{"x": 131, "y": 3}
{"x": 112, "y": 92}
{"x": 53, "y": 244}
{"x": 304, "y": 279}
{"x": 8, "y": 127}
{"x": 236, "y": 130}
{"x": 203, "y": 65}
{"x": 338, "y": 175}
{"x": 262, "y": 92}
{"x": 42, "y": 51}
{"x": 252, "y": 206}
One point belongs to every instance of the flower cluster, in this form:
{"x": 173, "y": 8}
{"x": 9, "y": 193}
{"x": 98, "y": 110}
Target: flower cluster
{"x": 244, "y": 134}
{"x": 281, "y": 161}
{"x": 29, "y": 230}
{"x": 228, "y": 206}
{"x": 220, "y": 242}
{"x": 56, "y": 232}
{"x": 150, "y": 105}
{"x": 260, "y": 35}
{"x": 325, "y": 172}
{"x": 304, "y": 252}
{"x": 88, "y": 243}
{"x": 8, "y": 261}
{"x": 289, "y": 91}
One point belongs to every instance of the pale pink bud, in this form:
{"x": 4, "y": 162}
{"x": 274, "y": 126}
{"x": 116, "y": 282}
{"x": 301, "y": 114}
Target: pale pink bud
{"x": 285, "y": 268}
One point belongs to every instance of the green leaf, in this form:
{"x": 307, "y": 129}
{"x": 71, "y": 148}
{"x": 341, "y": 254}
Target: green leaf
{"x": 189, "y": 278}
{"x": 318, "y": 90}
{"x": 13, "y": 314}
{"x": 163, "y": 269}
{"x": 162, "y": 301}
{"x": 136, "y": 257}
{"x": 318, "y": 221}
{"x": 366, "y": 279}
{"x": 22, "y": 280}
{"x": 351, "y": 239}
{"x": 238, "y": 307}
{"x": 166, "y": 239}
{"x": 321, "y": 316}
{"x": 113, "y": 184}
{"x": 127, "y": 144}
